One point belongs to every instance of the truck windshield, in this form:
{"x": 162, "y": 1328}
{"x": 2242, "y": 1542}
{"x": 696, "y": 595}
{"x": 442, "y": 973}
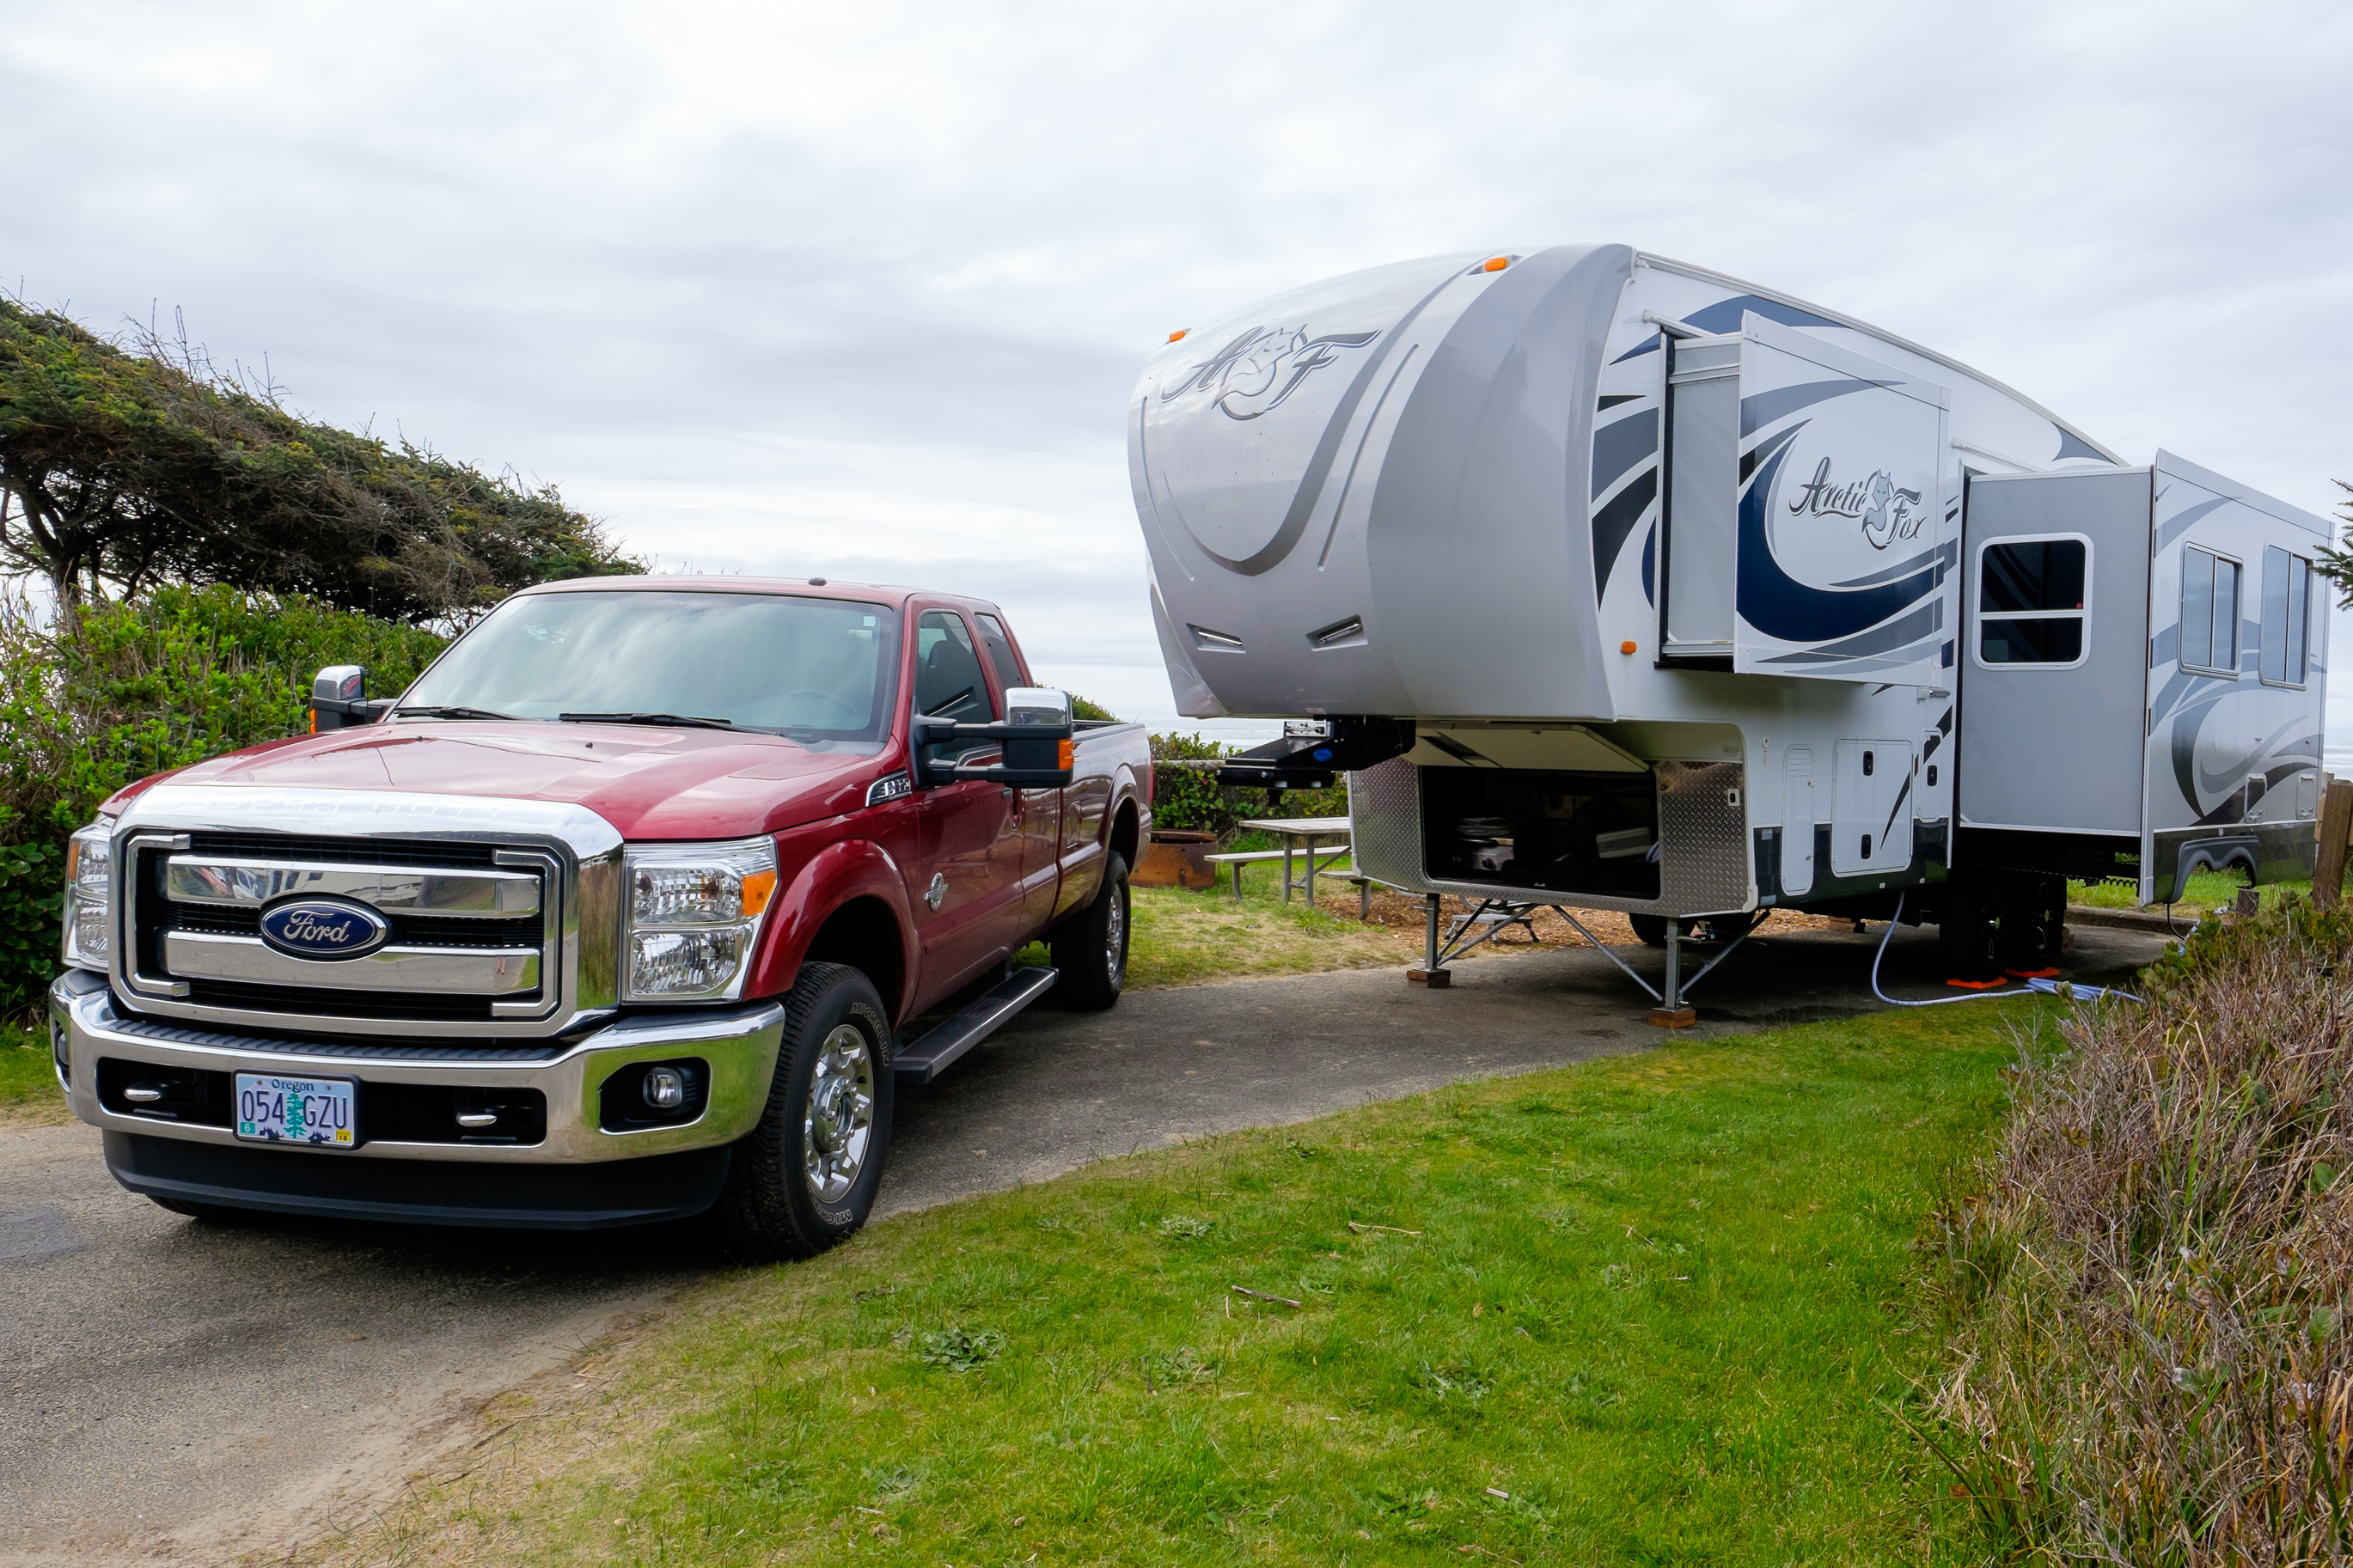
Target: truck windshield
{"x": 819, "y": 671}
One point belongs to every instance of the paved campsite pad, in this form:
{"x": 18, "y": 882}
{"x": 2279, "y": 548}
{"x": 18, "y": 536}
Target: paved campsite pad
{"x": 181, "y": 1392}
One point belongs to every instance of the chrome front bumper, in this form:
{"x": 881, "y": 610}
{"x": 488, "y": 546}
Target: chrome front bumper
{"x": 739, "y": 1043}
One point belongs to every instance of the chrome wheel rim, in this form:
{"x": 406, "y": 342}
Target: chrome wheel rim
{"x": 838, "y": 1121}
{"x": 1115, "y": 934}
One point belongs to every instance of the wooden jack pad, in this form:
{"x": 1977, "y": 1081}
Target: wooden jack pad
{"x": 1676, "y": 1018}
{"x": 1436, "y": 979}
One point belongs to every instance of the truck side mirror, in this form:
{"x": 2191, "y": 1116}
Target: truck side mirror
{"x": 339, "y": 697}
{"x": 1037, "y": 705}
{"x": 1036, "y": 737}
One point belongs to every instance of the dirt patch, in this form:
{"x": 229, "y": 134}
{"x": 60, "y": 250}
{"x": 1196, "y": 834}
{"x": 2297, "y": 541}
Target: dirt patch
{"x": 1546, "y": 926}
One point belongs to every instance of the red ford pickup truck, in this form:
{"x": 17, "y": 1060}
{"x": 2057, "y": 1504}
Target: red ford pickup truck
{"x": 636, "y": 905}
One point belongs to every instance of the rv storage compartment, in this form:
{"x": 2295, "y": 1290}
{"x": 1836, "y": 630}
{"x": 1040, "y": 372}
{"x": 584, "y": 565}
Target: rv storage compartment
{"x": 1547, "y": 832}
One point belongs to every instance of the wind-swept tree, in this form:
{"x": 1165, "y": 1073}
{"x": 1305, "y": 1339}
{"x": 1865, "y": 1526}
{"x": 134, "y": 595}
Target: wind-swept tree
{"x": 2336, "y": 562}
{"x": 126, "y": 463}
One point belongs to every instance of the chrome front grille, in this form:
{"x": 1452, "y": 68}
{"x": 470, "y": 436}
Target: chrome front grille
{"x": 472, "y": 927}
{"x": 485, "y": 919}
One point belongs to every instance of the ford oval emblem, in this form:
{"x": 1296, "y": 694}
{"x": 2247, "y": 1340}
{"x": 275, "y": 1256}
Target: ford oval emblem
{"x": 324, "y": 927}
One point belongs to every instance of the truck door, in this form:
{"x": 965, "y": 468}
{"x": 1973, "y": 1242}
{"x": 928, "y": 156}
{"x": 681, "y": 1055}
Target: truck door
{"x": 966, "y": 887}
{"x": 2055, "y": 662}
{"x": 1040, "y": 811}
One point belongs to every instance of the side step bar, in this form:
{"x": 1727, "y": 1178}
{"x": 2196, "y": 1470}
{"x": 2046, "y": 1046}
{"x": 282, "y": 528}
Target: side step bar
{"x": 925, "y": 1057}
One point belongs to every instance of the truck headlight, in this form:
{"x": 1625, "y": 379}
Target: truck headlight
{"x": 89, "y": 913}
{"x": 694, "y": 918}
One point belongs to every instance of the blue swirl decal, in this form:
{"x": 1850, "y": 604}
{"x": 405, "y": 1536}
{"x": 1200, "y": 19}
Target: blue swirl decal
{"x": 1787, "y": 610}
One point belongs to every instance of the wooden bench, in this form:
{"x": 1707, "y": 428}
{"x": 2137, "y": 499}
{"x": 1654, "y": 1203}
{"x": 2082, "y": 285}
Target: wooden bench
{"x": 1357, "y": 879}
{"x": 1364, "y": 885}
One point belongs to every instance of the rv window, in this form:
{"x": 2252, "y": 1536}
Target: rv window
{"x": 2287, "y": 591}
{"x": 2030, "y": 600}
{"x": 2209, "y": 612}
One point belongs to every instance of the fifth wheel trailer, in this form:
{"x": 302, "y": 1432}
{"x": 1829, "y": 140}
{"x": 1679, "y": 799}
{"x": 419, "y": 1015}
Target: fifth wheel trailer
{"x": 1615, "y": 582}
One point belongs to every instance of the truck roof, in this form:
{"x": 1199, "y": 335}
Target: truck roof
{"x": 894, "y": 595}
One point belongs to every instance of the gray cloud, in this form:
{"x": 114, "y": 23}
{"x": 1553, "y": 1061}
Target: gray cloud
{"x": 864, "y": 288}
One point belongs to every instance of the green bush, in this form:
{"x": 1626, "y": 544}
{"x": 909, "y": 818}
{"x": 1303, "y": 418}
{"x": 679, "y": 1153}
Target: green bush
{"x": 119, "y": 691}
{"x": 29, "y": 889}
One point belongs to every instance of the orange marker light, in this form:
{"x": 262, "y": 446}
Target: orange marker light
{"x": 1066, "y": 756}
{"x": 1626, "y": 647}
{"x": 1497, "y": 263}
{"x": 1179, "y": 333}
{"x": 758, "y": 889}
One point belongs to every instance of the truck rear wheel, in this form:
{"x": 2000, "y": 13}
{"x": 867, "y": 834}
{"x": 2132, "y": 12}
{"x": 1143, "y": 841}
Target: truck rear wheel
{"x": 1089, "y": 948}
{"x": 806, "y": 1175}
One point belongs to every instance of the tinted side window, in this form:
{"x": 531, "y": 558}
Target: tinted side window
{"x": 2209, "y": 612}
{"x": 2288, "y": 589}
{"x": 1000, "y": 652}
{"x": 948, "y": 682}
{"x": 2035, "y": 574}
{"x": 2031, "y": 601}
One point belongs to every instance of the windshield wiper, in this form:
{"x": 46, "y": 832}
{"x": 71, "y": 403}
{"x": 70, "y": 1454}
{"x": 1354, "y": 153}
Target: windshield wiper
{"x": 460, "y": 712}
{"x": 676, "y": 721}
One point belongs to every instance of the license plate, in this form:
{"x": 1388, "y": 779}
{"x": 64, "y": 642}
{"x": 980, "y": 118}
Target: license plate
{"x": 315, "y": 1111}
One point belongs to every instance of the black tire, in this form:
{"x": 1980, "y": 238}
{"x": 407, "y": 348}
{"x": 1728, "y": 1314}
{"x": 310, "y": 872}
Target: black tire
{"x": 2033, "y": 922}
{"x": 1652, "y": 928}
{"x": 1089, "y": 948}
{"x": 1731, "y": 928}
{"x": 780, "y": 1202}
{"x": 1967, "y": 937}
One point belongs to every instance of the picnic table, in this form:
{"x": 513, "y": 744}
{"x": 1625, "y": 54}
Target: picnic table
{"x": 1299, "y": 836}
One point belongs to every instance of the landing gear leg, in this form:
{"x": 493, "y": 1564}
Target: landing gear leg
{"x": 1430, "y": 973}
{"x": 1671, "y": 1013}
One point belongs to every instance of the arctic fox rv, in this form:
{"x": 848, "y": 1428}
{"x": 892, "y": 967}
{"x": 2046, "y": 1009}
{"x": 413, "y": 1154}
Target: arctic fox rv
{"x": 1613, "y": 583}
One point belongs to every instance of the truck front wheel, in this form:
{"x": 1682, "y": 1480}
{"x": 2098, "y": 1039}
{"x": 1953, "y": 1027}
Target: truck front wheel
{"x": 806, "y": 1175}
{"x": 1091, "y": 948}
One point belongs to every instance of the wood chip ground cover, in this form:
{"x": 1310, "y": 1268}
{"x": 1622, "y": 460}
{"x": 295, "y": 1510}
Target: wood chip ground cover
{"x": 1655, "y": 1309}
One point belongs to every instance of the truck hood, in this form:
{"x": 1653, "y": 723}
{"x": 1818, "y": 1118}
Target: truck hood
{"x": 649, "y": 783}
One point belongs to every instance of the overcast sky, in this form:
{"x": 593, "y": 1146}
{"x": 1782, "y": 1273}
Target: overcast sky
{"x": 860, "y": 289}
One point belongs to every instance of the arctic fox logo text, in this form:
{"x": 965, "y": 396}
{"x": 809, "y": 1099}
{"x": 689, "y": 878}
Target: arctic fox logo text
{"x": 1252, "y": 374}
{"x": 1887, "y": 511}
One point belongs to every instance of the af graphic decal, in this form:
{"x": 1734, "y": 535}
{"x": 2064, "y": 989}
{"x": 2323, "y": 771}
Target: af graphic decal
{"x": 1254, "y": 375}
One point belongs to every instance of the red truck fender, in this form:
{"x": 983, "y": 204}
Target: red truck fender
{"x": 845, "y": 873}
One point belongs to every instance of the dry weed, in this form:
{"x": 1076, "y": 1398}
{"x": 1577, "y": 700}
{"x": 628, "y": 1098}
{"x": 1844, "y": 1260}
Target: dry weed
{"x": 2153, "y": 1363}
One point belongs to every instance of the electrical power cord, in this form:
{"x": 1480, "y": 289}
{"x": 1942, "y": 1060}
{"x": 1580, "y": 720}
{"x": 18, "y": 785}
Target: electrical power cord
{"x": 2031, "y": 988}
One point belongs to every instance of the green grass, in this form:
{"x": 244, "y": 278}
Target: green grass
{"x": 1652, "y": 1309}
{"x": 1185, "y": 938}
{"x": 26, "y": 1078}
{"x": 2206, "y": 889}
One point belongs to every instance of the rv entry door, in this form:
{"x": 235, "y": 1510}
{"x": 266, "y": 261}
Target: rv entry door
{"x": 2054, "y": 669}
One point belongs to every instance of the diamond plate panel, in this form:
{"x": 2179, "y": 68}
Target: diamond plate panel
{"x": 1385, "y": 824}
{"x": 1703, "y": 823}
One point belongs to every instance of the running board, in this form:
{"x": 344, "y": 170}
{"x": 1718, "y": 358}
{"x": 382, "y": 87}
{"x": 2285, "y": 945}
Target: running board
{"x": 925, "y": 1057}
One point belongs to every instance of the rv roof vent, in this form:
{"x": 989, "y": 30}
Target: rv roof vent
{"x": 1215, "y": 642}
{"x": 1349, "y": 632}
